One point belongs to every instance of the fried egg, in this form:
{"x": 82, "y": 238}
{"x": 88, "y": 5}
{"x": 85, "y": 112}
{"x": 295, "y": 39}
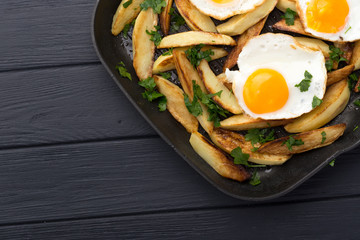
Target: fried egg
{"x": 270, "y": 66}
{"x": 222, "y": 9}
{"x": 333, "y": 20}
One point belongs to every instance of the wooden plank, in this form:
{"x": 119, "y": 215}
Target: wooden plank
{"x": 333, "y": 219}
{"x": 128, "y": 177}
{"x": 37, "y": 33}
{"x": 55, "y": 105}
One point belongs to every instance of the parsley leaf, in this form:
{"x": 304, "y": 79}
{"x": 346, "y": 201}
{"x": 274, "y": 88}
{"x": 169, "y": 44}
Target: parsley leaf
{"x": 126, "y": 29}
{"x": 316, "y": 102}
{"x": 176, "y": 20}
{"x": 157, "y": 5}
{"x": 259, "y": 136}
{"x": 336, "y": 55}
{"x": 165, "y": 75}
{"x": 332, "y": 163}
{"x": 289, "y": 17}
{"x": 305, "y": 83}
{"x": 348, "y": 30}
{"x": 193, "y": 107}
{"x": 323, "y": 134}
{"x": 242, "y": 158}
{"x": 292, "y": 142}
{"x": 126, "y": 4}
{"x": 123, "y": 71}
{"x": 352, "y": 81}
{"x": 162, "y": 104}
{"x": 151, "y": 94}
{"x": 255, "y": 179}
{"x": 168, "y": 53}
{"x": 357, "y": 103}
{"x": 155, "y": 35}
{"x": 149, "y": 84}
{"x": 195, "y": 55}
{"x": 356, "y": 128}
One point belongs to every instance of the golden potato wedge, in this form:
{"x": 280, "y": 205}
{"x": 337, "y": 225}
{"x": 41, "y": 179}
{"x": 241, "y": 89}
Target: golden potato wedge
{"x": 282, "y": 5}
{"x": 245, "y": 122}
{"x": 239, "y": 24}
{"x": 355, "y": 59}
{"x": 175, "y": 103}
{"x": 315, "y": 44}
{"x": 312, "y": 140}
{"x": 296, "y": 28}
{"x": 253, "y": 31}
{"x": 166, "y": 63}
{"x": 227, "y": 99}
{"x": 187, "y": 73}
{"x": 339, "y": 74}
{"x": 125, "y": 16}
{"x": 196, "y": 20}
{"x": 228, "y": 141}
{"x": 222, "y": 78}
{"x": 194, "y": 38}
{"x": 143, "y": 47}
{"x": 218, "y": 160}
{"x": 334, "y": 102}
{"x": 165, "y": 17}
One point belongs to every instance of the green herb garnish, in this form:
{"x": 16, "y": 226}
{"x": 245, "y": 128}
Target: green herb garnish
{"x": 305, "y": 83}
{"x": 316, "y": 102}
{"x": 289, "y": 17}
{"x": 357, "y": 103}
{"x": 126, "y": 29}
{"x": 168, "y": 53}
{"x": 292, "y": 142}
{"x": 151, "y": 94}
{"x": 156, "y": 5}
{"x": 336, "y": 55}
{"x": 193, "y": 107}
{"x": 255, "y": 179}
{"x": 332, "y": 163}
{"x": 126, "y": 4}
{"x": 155, "y": 35}
{"x": 166, "y": 75}
{"x": 259, "y": 136}
{"x": 242, "y": 158}
{"x": 348, "y": 30}
{"x": 195, "y": 55}
{"x": 323, "y": 134}
{"x": 356, "y": 128}
{"x": 176, "y": 20}
{"x": 123, "y": 71}
{"x": 352, "y": 81}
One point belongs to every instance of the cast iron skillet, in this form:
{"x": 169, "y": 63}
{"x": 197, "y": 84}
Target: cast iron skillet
{"x": 276, "y": 181}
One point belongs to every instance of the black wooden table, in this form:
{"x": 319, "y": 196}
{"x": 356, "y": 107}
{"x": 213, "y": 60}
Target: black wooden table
{"x": 77, "y": 161}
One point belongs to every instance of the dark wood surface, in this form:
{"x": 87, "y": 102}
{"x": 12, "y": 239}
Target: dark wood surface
{"x": 77, "y": 161}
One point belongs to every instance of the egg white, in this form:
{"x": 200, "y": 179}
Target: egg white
{"x": 281, "y": 53}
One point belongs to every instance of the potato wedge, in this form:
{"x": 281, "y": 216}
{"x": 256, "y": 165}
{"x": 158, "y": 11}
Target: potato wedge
{"x": 245, "y": 122}
{"x": 315, "y": 44}
{"x": 312, "y": 140}
{"x": 228, "y": 141}
{"x": 217, "y": 159}
{"x": 194, "y": 38}
{"x": 296, "y": 28}
{"x": 222, "y": 78}
{"x": 125, "y": 16}
{"x": 233, "y": 56}
{"x": 166, "y": 63}
{"x": 196, "y": 20}
{"x": 227, "y": 99}
{"x": 165, "y": 18}
{"x": 175, "y": 103}
{"x": 239, "y": 24}
{"x": 282, "y": 5}
{"x": 143, "y": 47}
{"x": 355, "y": 59}
{"x": 334, "y": 102}
{"x": 339, "y": 74}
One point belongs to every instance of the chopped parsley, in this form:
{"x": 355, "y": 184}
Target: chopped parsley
{"x": 352, "y": 81}
{"x": 323, "y": 134}
{"x": 151, "y": 94}
{"x": 305, "y": 83}
{"x": 255, "y": 179}
{"x": 348, "y": 30}
{"x": 176, "y": 20}
{"x": 356, "y": 128}
{"x": 259, "y": 136}
{"x": 123, "y": 71}
{"x": 316, "y": 102}
{"x": 289, "y": 17}
{"x": 168, "y": 53}
{"x": 195, "y": 55}
{"x": 242, "y": 158}
{"x": 165, "y": 75}
{"x": 155, "y": 35}
{"x": 332, "y": 163}
{"x": 126, "y": 29}
{"x": 193, "y": 107}
{"x": 292, "y": 142}
{"x": 156, "y": 5}
{"x": 336, "y": 55}
{"x": 126, "y": 4}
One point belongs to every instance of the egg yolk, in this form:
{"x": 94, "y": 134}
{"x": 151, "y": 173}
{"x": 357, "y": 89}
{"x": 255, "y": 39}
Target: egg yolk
{"x": 265, "y": 91}
{"x": 222, "y": 1}
{"x": 327, "y": 16}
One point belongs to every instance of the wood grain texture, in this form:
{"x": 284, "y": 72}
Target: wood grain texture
{"x": 290, "y": 221}
{"x": 45, "y": 33}
{"x": 56, "y": 105}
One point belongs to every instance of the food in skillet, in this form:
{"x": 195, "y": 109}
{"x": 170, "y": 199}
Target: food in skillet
{"x": 299, "y": 83}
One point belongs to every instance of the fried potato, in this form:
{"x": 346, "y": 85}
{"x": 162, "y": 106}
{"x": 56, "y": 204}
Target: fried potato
{"x": 334, "y": 102}
{"x": 315, "y": 44}
{"x": 338, "y": 75}
{"x": 194, "y": 38}
{"x": 165, "y": 18}
{"x": 296, "y": 28}
{"x": 187, "y": 73}
{"x": 227, "y": 99}
{"x": 143, "y": 47}
{"x": 282, "y": 5}
{"x": 175, "y": 103}
{"x": 253, "y": 31}
{"x": 240, "y": 23}
{"x": 125, "y": 16}
{"x": 166, "y": 63}
{"x": 196, "y": 20}
{"x": 245, "y": 122}
{"x": 222, "y": 78}
{"x": 312, "y": 140}
{"x": 217, "y": 159}
{"x": 355, "y": 59}
{"x": 228, "y": 141}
